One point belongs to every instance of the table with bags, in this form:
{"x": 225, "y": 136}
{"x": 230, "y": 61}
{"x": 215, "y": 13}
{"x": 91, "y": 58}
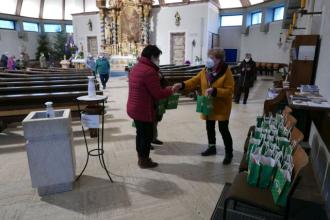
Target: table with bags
{"x": 269, "y": 157}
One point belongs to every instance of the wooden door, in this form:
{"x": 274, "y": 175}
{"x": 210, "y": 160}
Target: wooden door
{"x": 92, "y": 46}
{"x": 178, "y": 45}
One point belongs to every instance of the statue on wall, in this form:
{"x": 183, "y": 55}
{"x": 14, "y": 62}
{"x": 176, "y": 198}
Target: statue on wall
{"x": 177, "y": 19}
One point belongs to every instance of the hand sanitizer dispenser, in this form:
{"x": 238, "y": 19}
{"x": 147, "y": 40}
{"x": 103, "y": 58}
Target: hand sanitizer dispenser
{"x": 91, "y": 86}
{"x": 49, "y": 110}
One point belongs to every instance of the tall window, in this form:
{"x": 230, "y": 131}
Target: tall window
{"x": 69, "y": 28}
{"x": 6, "y": 24}
{"x": 231, "y": 20}
{"x": 256, "y": 18}
{"x": 28, "y": 26}
{"x": 53, "y": 28}
{"x": 278, "y": 13}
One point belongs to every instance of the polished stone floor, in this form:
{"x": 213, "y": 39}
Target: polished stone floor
{"x": 184, "y": 186}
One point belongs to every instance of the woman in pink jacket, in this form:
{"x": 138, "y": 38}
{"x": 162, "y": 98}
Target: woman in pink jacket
{"x": 11, "y": 63}
{"x": 144, "y": 92}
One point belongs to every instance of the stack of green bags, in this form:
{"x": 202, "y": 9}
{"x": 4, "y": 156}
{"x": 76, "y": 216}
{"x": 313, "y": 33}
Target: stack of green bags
{"x": 269, "y": 157}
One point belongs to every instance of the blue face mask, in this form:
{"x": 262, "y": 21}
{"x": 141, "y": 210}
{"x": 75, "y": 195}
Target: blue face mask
{"x": 209, "y": 63}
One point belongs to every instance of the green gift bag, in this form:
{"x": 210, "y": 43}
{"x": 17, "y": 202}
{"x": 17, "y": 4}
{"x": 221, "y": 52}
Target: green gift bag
{"x": 266, "y": 171}
{"x": 204, "y": 105}
{"x": 259, "y": 121}
{"x": 283, "y": 143}
{"x": 199, "y": 104}
{"x": 254, "y": 168}
{"x": 172, "y": 102}
{"x": 162, "y": 104}
{"x": 253, "y": 144}
{"x": 207, "y": 105}
{"x": 280, "y": 188}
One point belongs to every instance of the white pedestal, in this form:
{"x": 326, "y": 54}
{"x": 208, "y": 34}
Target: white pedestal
{"x": 50, "y": 151}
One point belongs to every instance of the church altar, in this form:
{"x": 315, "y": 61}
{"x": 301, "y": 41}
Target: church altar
{"x": 118, "y": 63}
{"x": 79, "y": 63}
{"x": 125, "y": 27}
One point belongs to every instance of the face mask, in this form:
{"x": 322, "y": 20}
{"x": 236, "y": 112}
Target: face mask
{"x": 247, "y": 59}
{"x": 209, "y": 63}
{"x": 156, "y": 62}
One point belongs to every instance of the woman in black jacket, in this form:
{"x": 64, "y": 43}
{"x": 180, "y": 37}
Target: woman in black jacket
{"x": 248, "y": 75}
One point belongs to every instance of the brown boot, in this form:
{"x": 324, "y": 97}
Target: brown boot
{"x": 145, "y": 163}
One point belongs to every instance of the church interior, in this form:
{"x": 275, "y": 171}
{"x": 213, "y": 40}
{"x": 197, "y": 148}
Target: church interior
{"x": 164, "y": 109}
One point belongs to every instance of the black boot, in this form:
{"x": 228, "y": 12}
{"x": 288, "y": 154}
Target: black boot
{"x": 209, "y": 151}
{"x": 146, "y": 163}
{"x": 227, "y": 160}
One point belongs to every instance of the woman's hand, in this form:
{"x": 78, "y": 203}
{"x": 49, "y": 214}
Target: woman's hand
{"x": 209, "y": 91}
{"x": 176, "y": 87}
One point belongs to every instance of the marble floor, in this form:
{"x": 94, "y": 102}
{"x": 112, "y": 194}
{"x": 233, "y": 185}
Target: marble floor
{"x": 184, "y": 186}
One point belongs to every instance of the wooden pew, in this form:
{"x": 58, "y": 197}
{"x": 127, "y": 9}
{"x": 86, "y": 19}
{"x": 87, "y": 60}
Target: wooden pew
{"x": 47, "y": 72}
{"x": 43, "y": 82}
{"x": 42, "y": 89}
{"x": 15, "y": 107}
{"x": 57, "y": 70}
{"x": 173, "y": 67}
{"x": 38, "y": 78}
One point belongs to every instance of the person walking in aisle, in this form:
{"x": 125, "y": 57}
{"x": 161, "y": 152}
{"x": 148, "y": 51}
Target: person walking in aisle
{"x": 215, "y": 80}
{"x": 144, "y": 90}
{"x": 90, "y": 63}
{"x": 248, "y": 75}
{"x": 102, "y": 67}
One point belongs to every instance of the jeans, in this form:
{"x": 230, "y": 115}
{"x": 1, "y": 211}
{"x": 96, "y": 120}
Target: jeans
{"x": 104, "y": 79}
{"x": 246, "y": 90}
{"x": 225, "y": 133}
{"x": 144, "y": 136}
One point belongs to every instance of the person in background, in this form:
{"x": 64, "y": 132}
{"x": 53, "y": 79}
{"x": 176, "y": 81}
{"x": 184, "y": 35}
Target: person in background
{"x": 144, "y": 90}
{"x": 248, "y": 72}
{"x": 90, "y": 63}
{"x": 26, "y": 59}
{"x": 20, "y": 62}
{"x": 11, "y": 63}
{"x": 4, "y": 60}
{"x": 215, "y": 80}
{"x": 102, "y": 67}
{"x": 42, "y": 61}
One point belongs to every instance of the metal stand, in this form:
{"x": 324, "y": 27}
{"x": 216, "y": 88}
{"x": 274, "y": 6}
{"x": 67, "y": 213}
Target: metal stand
{"x": 99, "y": 151}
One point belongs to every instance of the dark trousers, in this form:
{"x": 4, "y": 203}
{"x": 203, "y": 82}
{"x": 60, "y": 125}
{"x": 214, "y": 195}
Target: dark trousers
{"x": 246, "y": 91}
{"x": 104, "y": 79}
{"x": 144, "y": 135}
{"x": 224, "y": 131}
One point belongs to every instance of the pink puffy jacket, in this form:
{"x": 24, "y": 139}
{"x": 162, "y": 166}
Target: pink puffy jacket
{"x": 144, "y": 90}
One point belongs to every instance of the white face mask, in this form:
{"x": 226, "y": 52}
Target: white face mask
{"x": 155, "y": 61}
{"x": 247, "y": 59}
{"x": 209, "y": 63}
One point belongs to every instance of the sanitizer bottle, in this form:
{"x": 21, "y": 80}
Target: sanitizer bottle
{"x": 49, "y": 110}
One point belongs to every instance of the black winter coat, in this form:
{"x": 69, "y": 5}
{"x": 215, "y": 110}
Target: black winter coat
{"x": 248, "y": 73}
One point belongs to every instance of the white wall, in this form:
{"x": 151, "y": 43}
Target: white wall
{"x": 323, "y": 74}
{"x": 263, "y": 46}
{"x": 230, "y": 38}
{"x": 196, "y": 21}
{"x": 81, "y": 29}
{"x": 9, "y": 42}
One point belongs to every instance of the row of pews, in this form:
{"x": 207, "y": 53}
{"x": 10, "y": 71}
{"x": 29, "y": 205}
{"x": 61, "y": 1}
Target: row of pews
{"x": 24, "y": 91}
{"x": 178, "y": 73}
